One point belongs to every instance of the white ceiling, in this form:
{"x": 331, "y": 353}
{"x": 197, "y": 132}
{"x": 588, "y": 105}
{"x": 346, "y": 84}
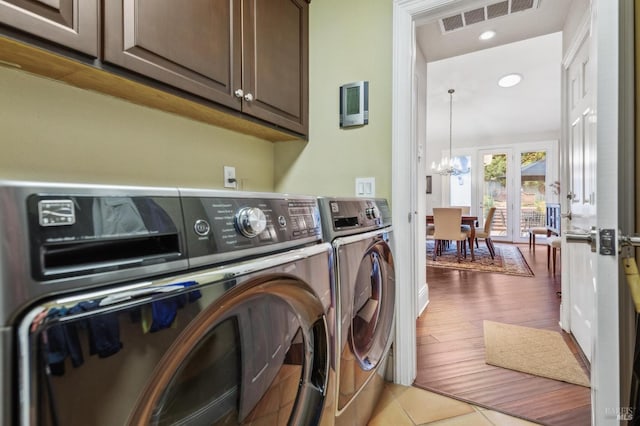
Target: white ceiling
{"x": 548, "y": 17}
{"x": 528, "y": 43}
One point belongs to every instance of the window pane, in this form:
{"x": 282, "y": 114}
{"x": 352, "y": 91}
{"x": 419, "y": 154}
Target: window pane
{"x": 460, "y": 185}
{"x": 494, "y": 191}
{"x": 533, "y": 175}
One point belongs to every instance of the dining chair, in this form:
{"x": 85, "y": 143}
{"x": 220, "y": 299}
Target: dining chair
{"x": 447, "y": 221}
{"x": 485, "y": 232}
{"x": 429, "y": 234}
{"x": 430, "y": 229}
{"x": 533, "y": 231}
{"x": 466, "y": 210}
{"x": 553, "y": 246}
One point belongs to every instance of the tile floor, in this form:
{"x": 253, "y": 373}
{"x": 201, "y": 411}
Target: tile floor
{"x": 411, "y": 406}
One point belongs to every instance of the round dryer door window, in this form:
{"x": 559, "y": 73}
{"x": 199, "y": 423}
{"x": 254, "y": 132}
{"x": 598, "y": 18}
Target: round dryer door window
{"x": 373, "y": 305}
{"x": 260, "y": 355}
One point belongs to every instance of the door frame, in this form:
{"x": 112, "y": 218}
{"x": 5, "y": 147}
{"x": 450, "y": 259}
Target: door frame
{"x": 606, "y": 389}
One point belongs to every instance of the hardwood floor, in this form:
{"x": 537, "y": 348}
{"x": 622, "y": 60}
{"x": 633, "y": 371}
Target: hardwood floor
{"x": 451, "y": 343}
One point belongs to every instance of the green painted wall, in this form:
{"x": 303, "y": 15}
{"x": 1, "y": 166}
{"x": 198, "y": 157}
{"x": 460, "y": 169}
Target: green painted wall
{"x": 348, "y": 41}
{"x": 54, "y": 132}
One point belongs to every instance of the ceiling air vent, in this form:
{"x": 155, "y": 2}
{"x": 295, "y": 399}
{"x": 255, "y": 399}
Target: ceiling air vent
{"x": 474, "y": 16}
{"x": 498, "y": 9}
{"x": 520, "y": 5}
{"x": 494, "y": 10}
{"x": 452, "y": 22}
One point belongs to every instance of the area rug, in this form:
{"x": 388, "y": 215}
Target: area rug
{"x": 530, "y": 350}
{"x": 508, "y": 260}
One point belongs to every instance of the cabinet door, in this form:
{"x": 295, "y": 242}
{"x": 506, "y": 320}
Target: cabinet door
{"x": 275, "y": 62}
{"x": 70, "y": 23}
{"x": 192, "y": 45}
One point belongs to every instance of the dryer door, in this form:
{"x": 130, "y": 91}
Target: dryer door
{"x": 258, "y": 356}
{"x": 234, "y": 351}
{"x": 366, "y": 285}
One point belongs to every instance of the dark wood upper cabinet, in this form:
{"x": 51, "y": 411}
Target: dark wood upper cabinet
{"x": 192, "y": 45}
{"x": 248, "y": 55}
{"x": 275, "y": 62}
{"x": 70, "y": 23}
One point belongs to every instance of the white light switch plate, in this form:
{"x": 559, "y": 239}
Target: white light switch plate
{"x": 366, "y": 187}
{"x": 229, "y": 177}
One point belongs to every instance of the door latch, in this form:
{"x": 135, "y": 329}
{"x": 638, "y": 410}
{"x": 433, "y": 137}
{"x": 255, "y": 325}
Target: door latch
{"x": 608, "y": 242}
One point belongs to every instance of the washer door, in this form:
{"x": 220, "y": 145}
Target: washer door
{"x": 367, "y": 302}
{"x": 261, "y": 354}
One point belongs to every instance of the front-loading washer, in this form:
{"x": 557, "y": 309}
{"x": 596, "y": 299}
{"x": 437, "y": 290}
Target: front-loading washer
{"x": 364, "y": 297}
{"x": 127, "y": 305}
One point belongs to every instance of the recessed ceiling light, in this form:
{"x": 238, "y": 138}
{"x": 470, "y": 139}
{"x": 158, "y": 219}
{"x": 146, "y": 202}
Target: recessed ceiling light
{"x": 487, "y": 35}
{"x": 509, "y": 80}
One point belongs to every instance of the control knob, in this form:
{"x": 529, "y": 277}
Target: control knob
{"x": 250, "y": 221}
{"x": 372, "y": 212}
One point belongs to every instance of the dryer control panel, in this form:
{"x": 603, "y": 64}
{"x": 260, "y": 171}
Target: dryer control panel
{"x": 345, "y": 216}
{"x": 74, "y": 234}
{"x": 222, "y": 226}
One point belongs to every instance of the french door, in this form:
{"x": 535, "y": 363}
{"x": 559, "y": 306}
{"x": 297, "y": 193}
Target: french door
{"x": 496, "y": 189}
{"x": 517, "y": 181}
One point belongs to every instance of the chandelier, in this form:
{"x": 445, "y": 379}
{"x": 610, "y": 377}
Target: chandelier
{"x": 449, "y": 166}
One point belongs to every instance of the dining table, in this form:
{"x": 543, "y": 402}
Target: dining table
{"x": 465, "y": 220}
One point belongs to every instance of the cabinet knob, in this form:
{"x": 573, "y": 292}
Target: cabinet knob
{"x": 248, "y": 97}
{"x": 239, "y": 93}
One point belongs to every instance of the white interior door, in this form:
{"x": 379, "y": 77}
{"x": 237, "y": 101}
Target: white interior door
{"x": 581, "y": 261}
{"x": 592, "y": 176}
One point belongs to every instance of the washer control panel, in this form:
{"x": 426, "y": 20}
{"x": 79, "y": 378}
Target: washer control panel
{"x": 218, "y": 225}
{"x": 352, "y": 214}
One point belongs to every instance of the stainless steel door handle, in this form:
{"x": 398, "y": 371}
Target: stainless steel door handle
{"x": 588, "y": 237}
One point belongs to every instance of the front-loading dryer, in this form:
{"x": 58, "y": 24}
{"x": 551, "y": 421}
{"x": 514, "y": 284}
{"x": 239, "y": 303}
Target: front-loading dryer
{"x": 125, "y": 305}
{"x": 364, "y": 298}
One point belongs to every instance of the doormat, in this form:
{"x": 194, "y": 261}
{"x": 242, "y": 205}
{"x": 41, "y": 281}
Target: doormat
{"x": 542, "y": 353}
{"x": 508, "y": 260}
